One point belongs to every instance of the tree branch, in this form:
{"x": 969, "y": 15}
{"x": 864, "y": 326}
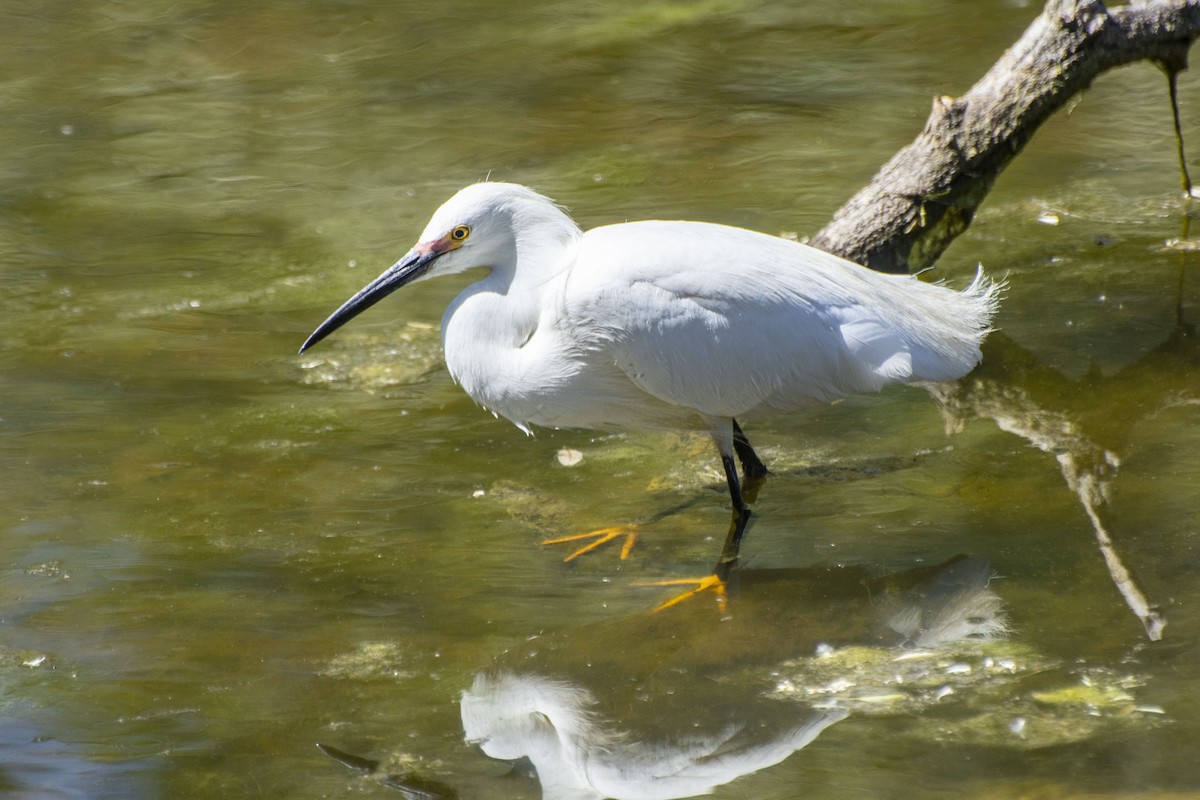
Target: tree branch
{"x": 927, "y": 195}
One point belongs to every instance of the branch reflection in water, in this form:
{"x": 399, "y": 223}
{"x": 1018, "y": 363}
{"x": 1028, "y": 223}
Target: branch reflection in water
{"x": 674, "y": 705}
{"x": 1083, "y": 424}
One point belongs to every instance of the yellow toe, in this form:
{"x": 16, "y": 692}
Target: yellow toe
{"x": 699, "y": 585}
{"x": 597, "y": 538}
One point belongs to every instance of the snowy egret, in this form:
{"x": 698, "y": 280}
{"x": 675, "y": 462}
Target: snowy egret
{"x": 669, "y": 325}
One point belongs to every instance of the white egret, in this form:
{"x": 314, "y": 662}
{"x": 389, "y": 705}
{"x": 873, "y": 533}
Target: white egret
{"x": 653, "y": 325}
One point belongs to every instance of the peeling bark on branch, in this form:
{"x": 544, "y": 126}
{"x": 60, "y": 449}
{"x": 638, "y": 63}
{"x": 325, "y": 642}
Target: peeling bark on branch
{"x": 928, "y": 193}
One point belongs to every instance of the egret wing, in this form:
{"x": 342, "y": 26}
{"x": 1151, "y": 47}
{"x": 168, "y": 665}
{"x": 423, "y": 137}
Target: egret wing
{"x": 731, "y": 322}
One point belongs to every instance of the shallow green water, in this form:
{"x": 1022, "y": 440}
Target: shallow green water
{"x": 217, "y": 553}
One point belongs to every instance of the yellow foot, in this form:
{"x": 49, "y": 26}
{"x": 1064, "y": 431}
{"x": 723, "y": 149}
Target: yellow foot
{"x": 716, "y": 584}
{"x": 602, "y": 536}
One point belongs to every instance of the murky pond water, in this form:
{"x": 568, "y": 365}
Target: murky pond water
{"x": 217, "y": 553}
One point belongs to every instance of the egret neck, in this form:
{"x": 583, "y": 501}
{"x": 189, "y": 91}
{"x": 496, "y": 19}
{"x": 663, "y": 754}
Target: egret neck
{"x": 499, "y": 333}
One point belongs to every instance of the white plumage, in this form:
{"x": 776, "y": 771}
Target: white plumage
{"x": 669, "y": 324}
{"x": 580, "y": 756}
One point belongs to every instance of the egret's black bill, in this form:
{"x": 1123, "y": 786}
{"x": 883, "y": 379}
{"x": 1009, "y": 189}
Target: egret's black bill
{"x": 404, "y": 271}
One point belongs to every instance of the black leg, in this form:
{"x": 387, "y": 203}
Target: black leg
{"x": 729, "y": 442}
{"x": 752, "y": 465}
{"x": 739, "y": 523}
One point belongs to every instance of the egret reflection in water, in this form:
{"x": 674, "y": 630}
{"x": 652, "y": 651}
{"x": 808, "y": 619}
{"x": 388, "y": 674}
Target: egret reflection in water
{"x": 578, "y": 756}
{"x": 673, "y": 705}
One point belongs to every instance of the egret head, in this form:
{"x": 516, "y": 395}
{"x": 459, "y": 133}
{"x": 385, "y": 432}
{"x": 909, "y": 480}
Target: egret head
{"x": 478, "y": 227}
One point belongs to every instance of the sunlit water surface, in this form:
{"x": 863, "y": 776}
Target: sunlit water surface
{"x": 218, "y": 553}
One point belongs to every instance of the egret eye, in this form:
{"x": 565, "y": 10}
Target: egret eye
{"x": 460, "y": 233}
